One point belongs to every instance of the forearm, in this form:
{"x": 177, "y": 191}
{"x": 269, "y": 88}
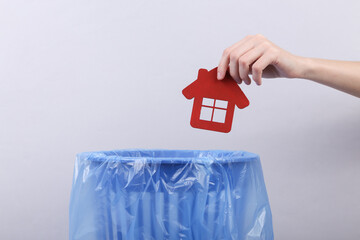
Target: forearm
{"x": 342, "y": 75}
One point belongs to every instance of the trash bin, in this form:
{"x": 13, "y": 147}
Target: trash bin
{"x": 169, "y": 194}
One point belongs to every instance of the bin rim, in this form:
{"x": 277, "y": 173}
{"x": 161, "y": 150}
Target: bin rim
{"x": 165, "y": 156}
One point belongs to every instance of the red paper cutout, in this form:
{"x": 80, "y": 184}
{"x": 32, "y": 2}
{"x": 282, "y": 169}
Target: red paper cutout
{"x": 214, "y": 101}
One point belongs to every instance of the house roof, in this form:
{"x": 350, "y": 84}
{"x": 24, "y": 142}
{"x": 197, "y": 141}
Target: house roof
{"x": 207, "y": 85}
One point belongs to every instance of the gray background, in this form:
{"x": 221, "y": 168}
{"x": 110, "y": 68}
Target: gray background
{"x": 100, "y": 75}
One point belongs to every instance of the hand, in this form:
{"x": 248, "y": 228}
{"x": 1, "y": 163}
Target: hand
{"x": 258, "y": 56}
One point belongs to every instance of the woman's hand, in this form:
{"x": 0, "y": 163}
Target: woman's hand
{"x": 258, "y": 56}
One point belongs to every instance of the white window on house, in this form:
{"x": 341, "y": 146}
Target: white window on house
{"x": 213, "y": 110}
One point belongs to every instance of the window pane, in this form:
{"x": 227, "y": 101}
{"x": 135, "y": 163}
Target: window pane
{"x": 221, "y": 104}
{"x": 206, "y": 113}
{"x": 219, "y": 115}
{"x": 208, "y": 102}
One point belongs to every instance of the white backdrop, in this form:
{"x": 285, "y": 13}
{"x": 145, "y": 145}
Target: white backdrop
{"x": 100, "y": 75}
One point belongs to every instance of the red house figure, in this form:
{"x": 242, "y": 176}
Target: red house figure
{"x": 215, "y": 101}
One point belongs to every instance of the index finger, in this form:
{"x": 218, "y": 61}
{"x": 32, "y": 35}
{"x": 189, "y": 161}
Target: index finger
{"x": 223, "y": 65}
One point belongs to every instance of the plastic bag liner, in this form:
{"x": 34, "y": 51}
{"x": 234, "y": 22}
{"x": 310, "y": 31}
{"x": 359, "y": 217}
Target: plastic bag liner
{"x": 169, "y": 194}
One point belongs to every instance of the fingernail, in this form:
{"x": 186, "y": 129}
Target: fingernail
{"x": 219, "y": 75}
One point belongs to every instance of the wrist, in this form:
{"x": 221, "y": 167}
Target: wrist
{"x": 306, "y": 68}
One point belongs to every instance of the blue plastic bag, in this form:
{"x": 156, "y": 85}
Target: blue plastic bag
{"x": 169, "y": 194}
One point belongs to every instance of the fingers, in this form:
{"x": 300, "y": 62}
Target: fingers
{"x": 235, "y": 55}
{"x": 251, "y": 55}
{"x": 248, "y": 59}
{"x": 225, "y": 58}
{"x": 259, "y": 66}
{"x": 231, "y": 56}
